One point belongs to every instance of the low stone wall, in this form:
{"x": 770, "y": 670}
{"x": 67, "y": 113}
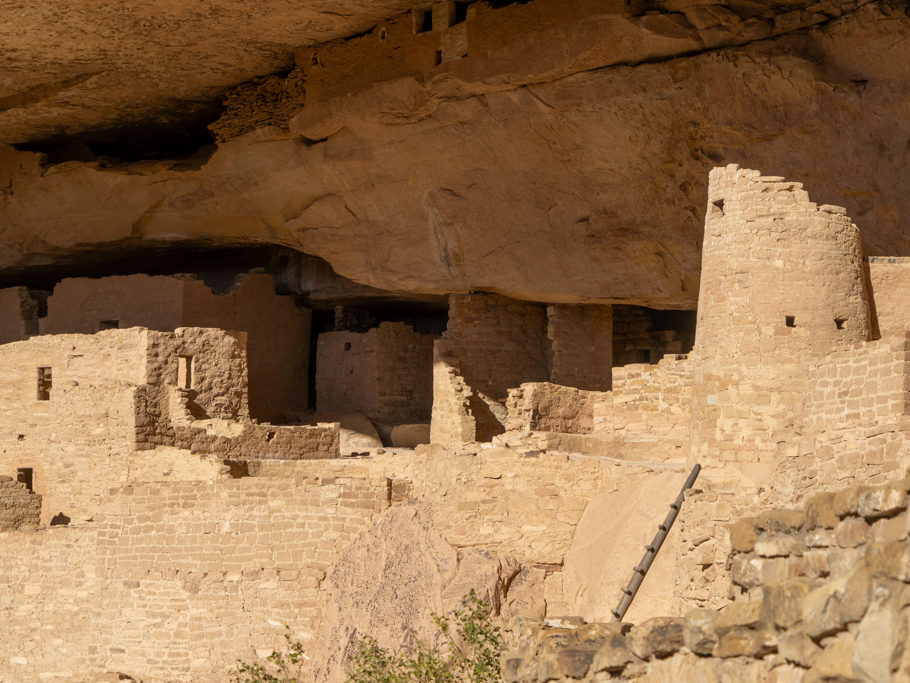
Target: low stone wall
{"x": 822, "y": 597}
{"x": 865, "y": 384}
{"x": 176, "y": 580}
{"x": 542, "y": 406}
{"x": 256, "y": 442}
{"x": 19, "y": 507}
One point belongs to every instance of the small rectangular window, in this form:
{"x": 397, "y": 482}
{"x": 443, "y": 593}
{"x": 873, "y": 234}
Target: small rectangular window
{"x": 423, "y": 20}
{"x": 44, "y": 384}
{"x": 840, "y": 322}
{"x": 109, "y": 324}
{"x": 185, "y": 372}
{"x": 25, "y": 475}
{"x": 790, "y": 320}
{"x": 437, "y": 59}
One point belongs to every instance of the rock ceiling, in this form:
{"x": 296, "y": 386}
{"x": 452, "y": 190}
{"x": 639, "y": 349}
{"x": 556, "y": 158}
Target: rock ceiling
{"x": 575, "y": 170}
{"x": 69, "y": 66}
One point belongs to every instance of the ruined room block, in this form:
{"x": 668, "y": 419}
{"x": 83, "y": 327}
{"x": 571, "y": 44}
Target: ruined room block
{"x": 278, "y": 330}
{"x": 385, "y": 373}
{"x": 493, "y": 344}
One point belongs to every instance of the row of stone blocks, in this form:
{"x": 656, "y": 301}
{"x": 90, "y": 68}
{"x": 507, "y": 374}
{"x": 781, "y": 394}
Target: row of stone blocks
{"x": 844, "y": 620}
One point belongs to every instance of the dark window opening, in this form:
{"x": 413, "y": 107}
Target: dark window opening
{"x": 185, "y": 372}
{"x": 790, "y": 320}
{"x": 20, "y": 437}
{"x": 642, "y": 356}
{"x": 347, "y": 346}
{"x": 44, "y": 384}
{"x": 437, "y": 59}
{"x": 60, "y": 520}
{"x": 460, "y": 14}
{"x": 839, "y": 322}
{"x": 109, "y": 325}
{"x": 26, "y": 475}
{"x": 423, "y": 21}
{"x": 238, "y": 469}
{"x": 720, "y": 205}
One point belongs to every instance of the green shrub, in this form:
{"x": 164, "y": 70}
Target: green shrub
{"x": 279, "y": 668}
{"x": 471, "y": 654}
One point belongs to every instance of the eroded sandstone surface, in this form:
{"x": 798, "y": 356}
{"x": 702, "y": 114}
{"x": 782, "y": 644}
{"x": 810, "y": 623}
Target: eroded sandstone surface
{"x": 66, "y": 68}
{"x": 575, "y": 179}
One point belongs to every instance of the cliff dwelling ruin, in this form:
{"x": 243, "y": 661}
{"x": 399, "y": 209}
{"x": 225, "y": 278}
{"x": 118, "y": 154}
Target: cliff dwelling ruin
{"x": 314, "y": 319}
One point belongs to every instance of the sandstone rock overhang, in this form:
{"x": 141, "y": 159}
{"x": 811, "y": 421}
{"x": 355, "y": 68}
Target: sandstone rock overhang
{"x": 578, "y": 184}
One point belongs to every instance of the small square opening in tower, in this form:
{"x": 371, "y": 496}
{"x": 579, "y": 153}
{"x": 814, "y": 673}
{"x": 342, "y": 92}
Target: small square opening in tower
{"x": 437, "y": 58}
{"x": 347, "y": 346}
{"x": 44, "y": 384}
{"x": 840, "y": 322}
{"x": 185, "y": 372}
{"x": 111, "y": 324}
{"x": 459, "y": 13}
{"x": 423, "y": 20}
{"x": 790, "y": 320}
{"x": 26, "y": 475}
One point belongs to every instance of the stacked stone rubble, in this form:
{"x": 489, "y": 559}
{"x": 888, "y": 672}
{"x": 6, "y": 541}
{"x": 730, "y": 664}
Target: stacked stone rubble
{"x": 822, "y": 594}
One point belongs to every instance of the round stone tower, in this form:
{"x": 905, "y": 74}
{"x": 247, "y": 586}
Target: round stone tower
{"x": 782, "y": 284}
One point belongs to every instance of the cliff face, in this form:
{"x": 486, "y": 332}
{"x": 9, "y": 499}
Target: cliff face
{"x": 566, "y": 162}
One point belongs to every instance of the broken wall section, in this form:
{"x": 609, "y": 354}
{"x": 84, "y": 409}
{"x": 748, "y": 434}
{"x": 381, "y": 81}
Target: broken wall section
{"x": 20, "y": 508}
{"x": 494, "y": 344}
{"x": 385, "y": 373}
{"x": 278, "y": 331}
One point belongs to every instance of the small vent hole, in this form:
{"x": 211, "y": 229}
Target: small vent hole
{"x": 839, "y": 322}
{"x": 790, "y": 320}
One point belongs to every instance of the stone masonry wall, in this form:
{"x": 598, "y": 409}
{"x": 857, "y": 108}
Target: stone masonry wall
{"x": 581, "y": 346}
{"x": 783, "y": 284}
{"x": 638, "y": 339}
{"x": 865, "y": 384}
{"x": 175, "y": 580}
{"x": 647, "y": 398}
{"x": 645, "y": 417}
{"x": 76, "y": 441}
{"x": 547, "y": 407}
{"x": 277, "y": 329}
{"x": 890, "y": 280}
{"x": 821, "y": 595}
{"x": 19, "y": 507}
{"x": 494, "y": 344}
{"x": 452, "y": 423}
{"x": 385, "y": 373}
{"x": 404, "y": 367}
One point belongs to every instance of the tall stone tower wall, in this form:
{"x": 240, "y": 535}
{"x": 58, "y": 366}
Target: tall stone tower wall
{"x": 782, "y": 285}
